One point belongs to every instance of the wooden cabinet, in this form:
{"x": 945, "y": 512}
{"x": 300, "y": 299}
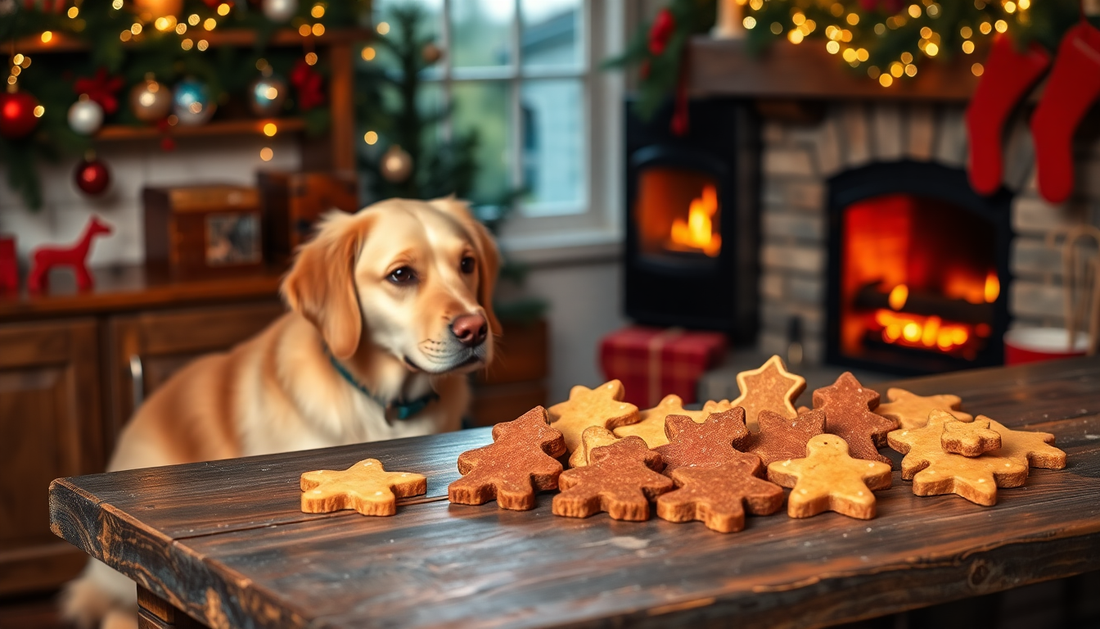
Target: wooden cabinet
{"x": 50, "y": 426}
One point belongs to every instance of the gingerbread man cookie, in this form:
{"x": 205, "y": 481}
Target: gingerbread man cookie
{"x": 602, "y": 406}
{"x": 972, "y": 438}
{"x": 707, "y": 444}
{"x": 520, "y": 461}
{"x": 592, "y": 437}
{"x": 911, "y": 410}
{"x": 781, "y": 438}
{"x": 718, "y": 496}
{"x": 619, "y": 479}
{"x": 828, "y": 479}
{"x": 847, "y": 405}
{"x": 651, "y": 428}
{"x": 365, "y": 487}
{"x": 769, "y": 388}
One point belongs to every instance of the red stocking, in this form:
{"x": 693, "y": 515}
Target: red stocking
{"x": 1073, "y": 86}
{"x": 1008, "y": 76}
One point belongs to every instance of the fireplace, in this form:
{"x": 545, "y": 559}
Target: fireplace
{"x": 691, "y": 224}
{"x": 916, "y": 265}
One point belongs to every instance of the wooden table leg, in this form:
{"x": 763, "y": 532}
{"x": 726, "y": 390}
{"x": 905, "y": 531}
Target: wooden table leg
{"x": 156, "y": 613}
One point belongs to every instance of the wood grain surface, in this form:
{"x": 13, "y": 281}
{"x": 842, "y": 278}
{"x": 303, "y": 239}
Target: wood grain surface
{"x": 225, "y": 542}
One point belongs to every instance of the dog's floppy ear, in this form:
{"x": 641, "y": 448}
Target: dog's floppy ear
{"x": 488, "y": 256}
{"x": 321, "y": 285}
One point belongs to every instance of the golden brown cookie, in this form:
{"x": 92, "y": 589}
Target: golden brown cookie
{"x": 619, "y": 479}
{"x": 651, "y": 428}
{"x": 781, "y": 438}
{"x": 972, "y": 438}
{"x": 520, "y": 461}
{"x": 718, "y": 496}
{"x": 847, "y": 405}
{"x": 828, "y": 479}
{"x": 592, "y": 437}
{"x": 602, "y": 406}
{"x": 911, "y": 410}
{"x": 365, "y": 487}
{"x": 707, "y": 444}
{"x": 769, "y": 388}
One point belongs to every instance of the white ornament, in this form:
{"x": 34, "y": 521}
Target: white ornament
{"x": 280, "y": 10}
{"x": 85, "y": 116}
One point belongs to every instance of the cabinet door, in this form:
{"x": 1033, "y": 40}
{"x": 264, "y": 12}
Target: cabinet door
{"x": 50, "y": 426}
{"x": 147, "y": 348}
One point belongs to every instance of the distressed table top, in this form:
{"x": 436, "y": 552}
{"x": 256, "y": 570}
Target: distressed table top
{"x": 225, "y": 541}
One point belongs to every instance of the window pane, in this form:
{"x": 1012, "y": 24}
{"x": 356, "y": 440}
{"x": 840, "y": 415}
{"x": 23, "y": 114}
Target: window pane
{"x": 390, "y": 12}
{"x": 551, "y": 34}
{"x": 553, "y": 146}
{"x": 481, "y": 32}
{"x": 483, "y": 107}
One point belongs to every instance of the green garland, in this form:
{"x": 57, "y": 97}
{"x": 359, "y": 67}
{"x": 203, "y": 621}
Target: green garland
{"x": 99, "y": 25}
{"x": 886, "y": 43}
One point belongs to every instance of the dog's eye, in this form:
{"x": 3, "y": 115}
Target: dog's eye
{"x": 468, "y": 265}
{"x": 403, "y": 276}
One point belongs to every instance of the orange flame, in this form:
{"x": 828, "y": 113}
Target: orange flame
{"x": 918, "y": 331}
{"x": 898, "y": 296}
{"x": 992, "y": 287}
{"x": 697, "y": 232}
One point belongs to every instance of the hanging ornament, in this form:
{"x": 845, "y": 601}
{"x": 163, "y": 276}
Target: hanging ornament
{"x": 19, "y": 113}
{"x": 431, "y": 53}
{"x": 191, "y": 102}
{"x": 266, "y": 96}
{"x": 101, "y": 89}
{"x": 92, "y": 175}
{"x": 664, "y": 26}
{"x": 280, "y": 10}
{"x": 308, "y": 83}
{"x": 397, "y": 164}
{"x": 85, "y": 116}
{"x": 150, "y": 100}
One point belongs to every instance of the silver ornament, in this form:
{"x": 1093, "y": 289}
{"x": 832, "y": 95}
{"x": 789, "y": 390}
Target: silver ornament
{"x": 280, "y": 10}
{"x": 266, "y": 96}
{"x": 85, "y": 116}
{"x": 150, "y": 100}
{"x": 191, "y": 102}
{"x": 396, "y": 165}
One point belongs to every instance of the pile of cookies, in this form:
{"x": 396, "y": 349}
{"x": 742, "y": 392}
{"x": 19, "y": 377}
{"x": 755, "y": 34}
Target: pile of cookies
{"x": 713, "y": 465}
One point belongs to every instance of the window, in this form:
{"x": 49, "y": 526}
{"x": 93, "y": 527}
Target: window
{"x": 524, "y": 74}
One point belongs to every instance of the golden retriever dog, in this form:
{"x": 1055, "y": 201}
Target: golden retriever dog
{"x": 389, "y": 310}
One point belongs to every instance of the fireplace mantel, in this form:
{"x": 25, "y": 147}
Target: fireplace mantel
{"x": 724, "y": 67}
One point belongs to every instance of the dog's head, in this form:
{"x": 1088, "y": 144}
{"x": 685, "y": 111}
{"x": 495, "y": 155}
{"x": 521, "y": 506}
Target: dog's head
{"x": 412, "y": 278}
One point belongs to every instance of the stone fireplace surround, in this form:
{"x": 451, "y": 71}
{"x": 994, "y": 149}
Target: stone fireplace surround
{"x": 798, "y": 159}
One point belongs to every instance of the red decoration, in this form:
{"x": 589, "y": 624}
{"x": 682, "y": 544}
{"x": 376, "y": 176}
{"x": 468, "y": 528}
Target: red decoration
{"x": 1008, "y": 77}
{"x": 655, "y": 362}
{"x": 664, "y": 25}
{"x": 47, "y": 6}
{"x": 102, "y": 89}
{"x": 1073, "y": 86}
{"x": 9, "y": 269}
{"x": 308, "y": 83}
{"x": 17, "y": 117}
{"x": 45, "y": 258}
{"x": 92, "y": 177}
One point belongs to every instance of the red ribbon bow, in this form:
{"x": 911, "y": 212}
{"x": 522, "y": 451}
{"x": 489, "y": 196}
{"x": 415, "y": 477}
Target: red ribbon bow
{"x": 308, "y": 82}
{"x": 101, "y": 89}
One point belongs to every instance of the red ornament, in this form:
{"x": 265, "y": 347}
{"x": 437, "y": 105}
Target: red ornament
{"x": 102, "y": 89}
{"x": 92, "y": 177}
{"x": 75, "y": 256}
{"x": 661, "y": 31}
{"x": 308, "y": 83}
{"x": 17, "y": 117}
{"x": 9, "y": 268}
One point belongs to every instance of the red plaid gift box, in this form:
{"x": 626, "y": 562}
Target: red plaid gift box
{"x": 654, "y": 362}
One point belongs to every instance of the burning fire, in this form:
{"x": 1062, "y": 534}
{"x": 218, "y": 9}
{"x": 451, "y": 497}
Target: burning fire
{"x": 929, "y": 332}
{"x": 992, "y": 287}
{"x": 697, "y": 232}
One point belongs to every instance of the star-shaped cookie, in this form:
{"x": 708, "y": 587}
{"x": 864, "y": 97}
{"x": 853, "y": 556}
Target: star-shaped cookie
{"x": 707, "y": 444}
{"x": 620, "y": 479}
{"x": 365, "y": 487}
{"x": 781, "y": 438}
{"x": 972, "y": 438}
{"x": 602, "y": 406}
{"x": 768, "y": 388}
{"x": 718, "y": 496}
{"x": 847, "y": 405}
{"x": 911, "y": 410}
{"x": 830, "y": 480}
{"x": 592, "y": 437}
{"x": 651, "y": 428}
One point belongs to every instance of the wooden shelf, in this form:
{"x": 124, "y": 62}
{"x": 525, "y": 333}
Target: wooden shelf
{"x": 723, "y": 67}
{"x": 227, "y": 37}
{"x": 217, "y": 127}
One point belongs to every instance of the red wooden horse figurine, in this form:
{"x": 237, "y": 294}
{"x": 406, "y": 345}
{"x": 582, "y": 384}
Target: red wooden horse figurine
{"x": 9, "y": 267}
{"x": 46, "y": 258}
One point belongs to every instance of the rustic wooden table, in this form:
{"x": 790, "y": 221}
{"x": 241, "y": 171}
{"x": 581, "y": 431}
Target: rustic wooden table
{"x": 226, "y": 543}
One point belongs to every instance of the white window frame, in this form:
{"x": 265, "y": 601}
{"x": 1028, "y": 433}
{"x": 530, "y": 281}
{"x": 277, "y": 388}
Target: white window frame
{"x": 596, "y": 230}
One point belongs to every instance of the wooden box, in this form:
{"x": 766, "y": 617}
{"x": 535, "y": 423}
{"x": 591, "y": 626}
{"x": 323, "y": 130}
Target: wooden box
{"x": 196, "y": 229}
{"x": 294, "y": 201}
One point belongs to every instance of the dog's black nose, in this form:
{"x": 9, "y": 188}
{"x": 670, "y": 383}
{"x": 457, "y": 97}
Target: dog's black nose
{"x": 470, "y": 329}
